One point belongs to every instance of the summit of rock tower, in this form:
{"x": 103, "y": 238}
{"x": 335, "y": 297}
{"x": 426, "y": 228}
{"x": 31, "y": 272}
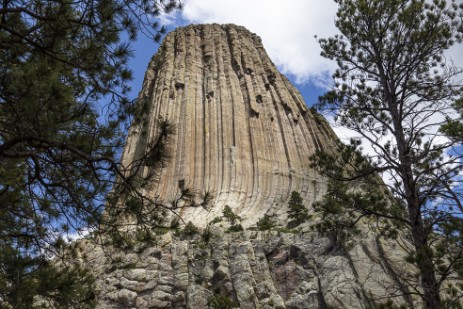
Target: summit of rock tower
{"x": 243, "y": 131}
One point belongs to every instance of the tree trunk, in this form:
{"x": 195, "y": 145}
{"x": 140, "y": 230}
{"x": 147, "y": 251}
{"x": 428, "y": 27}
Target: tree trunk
{"x": 431, "y": 296}
{"x": 423, "y": 251}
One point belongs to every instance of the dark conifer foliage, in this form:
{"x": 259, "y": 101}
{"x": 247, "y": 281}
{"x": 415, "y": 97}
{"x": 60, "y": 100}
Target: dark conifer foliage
{"x": 297, "y": 212}
{"x": 59, "y": 143}
{"x": 397, "y": 89}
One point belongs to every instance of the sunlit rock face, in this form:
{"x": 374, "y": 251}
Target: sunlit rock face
{"x": 243, "y": 132}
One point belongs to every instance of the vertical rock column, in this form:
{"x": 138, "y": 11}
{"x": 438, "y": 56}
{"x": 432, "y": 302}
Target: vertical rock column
{"x": 243, "y": 132}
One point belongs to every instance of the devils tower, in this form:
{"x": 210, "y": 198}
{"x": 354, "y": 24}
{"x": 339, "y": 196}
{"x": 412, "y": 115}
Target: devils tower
{"x": 244, "y": 133}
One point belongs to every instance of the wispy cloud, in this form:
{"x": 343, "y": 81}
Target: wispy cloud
{"x": 286, "y": 28}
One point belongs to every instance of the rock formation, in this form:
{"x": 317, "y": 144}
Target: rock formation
{"x": 244, "y": 132}
{"x": 254, "y": 270}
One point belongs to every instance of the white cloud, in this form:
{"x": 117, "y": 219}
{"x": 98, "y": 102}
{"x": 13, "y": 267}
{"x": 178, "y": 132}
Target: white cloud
{"x": 287, "y": 30}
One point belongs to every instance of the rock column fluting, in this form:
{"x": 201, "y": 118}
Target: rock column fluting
{"x": 243, "y": 132}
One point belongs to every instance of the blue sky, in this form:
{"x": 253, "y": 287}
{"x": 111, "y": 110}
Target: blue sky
{"x": 287, "y": 32}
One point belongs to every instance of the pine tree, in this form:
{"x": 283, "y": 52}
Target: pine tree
{"x": 265, "y": 223}
{"x": 230, "y": 215}
{"x": 296, "y": 209}
{"x": 59, "y": 143}
{"x": 398, "y": 91}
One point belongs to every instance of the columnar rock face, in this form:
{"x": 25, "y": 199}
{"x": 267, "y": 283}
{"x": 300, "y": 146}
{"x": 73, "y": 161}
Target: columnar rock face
{"x": 250, "y": 270}
{"x": 244, "y": 132}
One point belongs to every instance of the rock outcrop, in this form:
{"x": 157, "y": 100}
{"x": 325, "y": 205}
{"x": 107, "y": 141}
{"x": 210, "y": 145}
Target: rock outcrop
{"x": 244, "y": 132}
{"x": 249, "y": 269}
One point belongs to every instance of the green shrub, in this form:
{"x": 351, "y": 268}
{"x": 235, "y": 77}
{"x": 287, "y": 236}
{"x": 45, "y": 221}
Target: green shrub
{"x": 296, "y": 210}
{"x": 175, "y": 223}
{"x": 216, "y": 220}
{"x": 230, "y": 215}
{"x": 207, "y": 233}
{"x": 265, "y": 223}
{"x": 221, "y": 302}
{"x": 122, "y": 240}
{"x": 143, "y": 235}
{"x": 161, "y": 230}
{"x": 235, "y": 228}
{"x": 190, "y": 229}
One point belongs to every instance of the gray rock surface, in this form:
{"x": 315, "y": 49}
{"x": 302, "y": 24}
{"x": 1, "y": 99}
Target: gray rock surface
{"x": 254, "y": 269}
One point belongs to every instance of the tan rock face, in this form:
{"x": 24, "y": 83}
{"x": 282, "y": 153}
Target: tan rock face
{"x": 244, "y": 132}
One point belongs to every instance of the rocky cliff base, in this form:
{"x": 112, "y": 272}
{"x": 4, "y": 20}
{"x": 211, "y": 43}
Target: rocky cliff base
{"x": 249, "y": 269}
